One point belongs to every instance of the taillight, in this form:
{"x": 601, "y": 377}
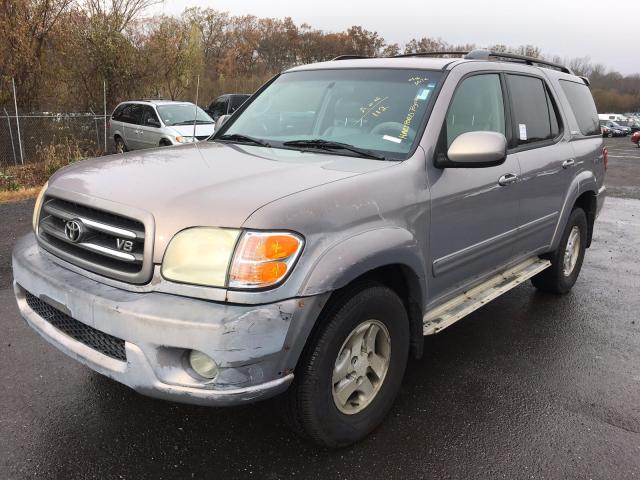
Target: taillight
{"x": 605, "y": 158}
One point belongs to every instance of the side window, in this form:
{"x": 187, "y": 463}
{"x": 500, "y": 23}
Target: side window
{"x": 477, "y": 105}
{"x": 236, "y": 102}
{"x": 149, "y": 117}
{"x": 117, "y": 113}
{"x": 132, "y": 113}
{"x": 531, "y": 114}
{"x": 583, "y": 106}
{"x": 218, "y": 108}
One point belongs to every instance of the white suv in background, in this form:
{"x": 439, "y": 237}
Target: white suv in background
{"x": 155, "y": 123}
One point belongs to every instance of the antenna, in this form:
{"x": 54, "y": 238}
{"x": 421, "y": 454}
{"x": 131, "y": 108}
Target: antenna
{"x": 195, "y": 116}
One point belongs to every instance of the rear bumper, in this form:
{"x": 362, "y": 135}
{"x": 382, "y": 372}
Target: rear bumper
{"x": 255, "y": 347}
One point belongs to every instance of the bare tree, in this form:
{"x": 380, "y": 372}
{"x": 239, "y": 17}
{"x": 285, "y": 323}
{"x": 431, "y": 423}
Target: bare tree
{"x": 118, "y": 13}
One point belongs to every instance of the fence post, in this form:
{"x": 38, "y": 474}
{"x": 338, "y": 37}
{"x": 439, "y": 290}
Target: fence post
{"x": 95, "y": 123}
{"x": 13, "y": 147}
{"x": 104, "y": 98}
{"x": 15, "y": 104}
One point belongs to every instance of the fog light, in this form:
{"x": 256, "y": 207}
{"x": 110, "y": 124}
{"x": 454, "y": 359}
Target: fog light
{"x": 203, "y": 364}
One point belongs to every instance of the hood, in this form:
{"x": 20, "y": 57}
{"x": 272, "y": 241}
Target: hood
{"x": 187, "y": 130}
{"x": 204, "y": 184}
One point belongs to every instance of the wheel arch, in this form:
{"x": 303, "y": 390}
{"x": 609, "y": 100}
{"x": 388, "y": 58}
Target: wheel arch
{"x": 582, "y": 193}
{"x": 388, "y": 256}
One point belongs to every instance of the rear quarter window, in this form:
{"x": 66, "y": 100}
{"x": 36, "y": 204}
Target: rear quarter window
{"x": 583, "y": 107}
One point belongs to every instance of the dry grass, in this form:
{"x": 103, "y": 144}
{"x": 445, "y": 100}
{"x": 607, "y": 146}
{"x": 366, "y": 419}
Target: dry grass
{"x": 24, "y": 181}
{"x": 17, "y": 195}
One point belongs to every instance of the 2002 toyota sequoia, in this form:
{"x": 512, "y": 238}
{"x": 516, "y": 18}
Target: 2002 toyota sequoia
{"x": 343, "y": 212}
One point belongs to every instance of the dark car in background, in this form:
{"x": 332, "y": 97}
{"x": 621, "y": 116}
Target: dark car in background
{"x": 616, "y": 129}
{"x": 226, "y": 104}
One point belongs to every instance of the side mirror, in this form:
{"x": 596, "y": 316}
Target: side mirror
{"x": 152, "y": 122}
{"x": 221, "y": 121}
{"x": 475, "y": 150}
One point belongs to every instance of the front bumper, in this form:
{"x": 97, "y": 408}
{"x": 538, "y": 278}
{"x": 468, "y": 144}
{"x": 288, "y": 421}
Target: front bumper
{"x": 256, "y": 347}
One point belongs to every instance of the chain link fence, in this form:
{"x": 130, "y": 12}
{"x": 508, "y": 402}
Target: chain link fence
{"x": 25, "y": 138}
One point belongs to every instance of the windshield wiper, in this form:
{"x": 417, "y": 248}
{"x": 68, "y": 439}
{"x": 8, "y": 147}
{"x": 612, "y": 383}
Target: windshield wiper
{"x": 238, "y": 137}
{"x": 191, "y": 122}
{"x": 329, "y": 145}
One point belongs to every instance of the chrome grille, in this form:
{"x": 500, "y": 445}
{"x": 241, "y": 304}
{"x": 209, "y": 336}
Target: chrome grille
{"x": 94, "y": 239}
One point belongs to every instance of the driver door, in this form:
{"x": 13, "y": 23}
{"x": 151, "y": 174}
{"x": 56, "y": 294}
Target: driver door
{"x": 474, "y": 211}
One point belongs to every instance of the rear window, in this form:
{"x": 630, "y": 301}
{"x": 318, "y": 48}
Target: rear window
{"x": 583, "y": 106}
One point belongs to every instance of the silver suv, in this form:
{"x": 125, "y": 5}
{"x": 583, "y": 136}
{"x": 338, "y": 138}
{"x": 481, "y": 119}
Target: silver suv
{"x": 156, "y": 123}
{"x": 344, "y": 211}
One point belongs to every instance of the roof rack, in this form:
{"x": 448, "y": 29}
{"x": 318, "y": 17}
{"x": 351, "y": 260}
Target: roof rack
{"x": 488, "y": 55}
{"x": 430, "y": 54}
{"x": 480, "y": 55}
{"x": 349, "y": 57}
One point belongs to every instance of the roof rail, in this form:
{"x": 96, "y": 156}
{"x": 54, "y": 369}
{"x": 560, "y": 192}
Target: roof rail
{"x": 429, "y": 54}
{"x": 488, "y": 55}
{"x": 349, "y": 57}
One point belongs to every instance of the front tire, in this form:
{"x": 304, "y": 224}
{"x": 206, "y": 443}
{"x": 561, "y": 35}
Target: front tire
{"x": 120, "y": 145}
{"x": 566, "y": 260}
{"x": 351, "y": 370}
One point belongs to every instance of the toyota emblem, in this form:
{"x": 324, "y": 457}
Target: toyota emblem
{"x": 74, "y": 229}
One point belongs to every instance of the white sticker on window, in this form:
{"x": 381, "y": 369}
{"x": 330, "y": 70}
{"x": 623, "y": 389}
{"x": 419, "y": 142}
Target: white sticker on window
{"x": 392, "y": 139}
{"x": 423, "y": 94}
{"x": 523, "y": 131}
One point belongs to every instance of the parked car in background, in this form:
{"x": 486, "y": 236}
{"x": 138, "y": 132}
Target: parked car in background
{"x": 617, "y": 129}
{"x": 139, "y": 124}
{"x": 616, "y": 117}
{"x": 634, "y": 125}
{"x": 635, "y": 138}
{"x": 226, "y": 104}
{"x": 606, "y": 131}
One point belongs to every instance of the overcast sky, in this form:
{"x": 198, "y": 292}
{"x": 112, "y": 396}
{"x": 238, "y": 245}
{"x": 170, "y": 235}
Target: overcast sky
{"x": 569, "y": 28}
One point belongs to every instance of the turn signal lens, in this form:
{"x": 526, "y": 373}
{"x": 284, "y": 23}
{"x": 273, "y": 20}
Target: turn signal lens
{"x": 263, "y": 259}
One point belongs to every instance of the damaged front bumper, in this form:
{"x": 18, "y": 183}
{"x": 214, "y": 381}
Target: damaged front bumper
{"x": 256, "y": 347}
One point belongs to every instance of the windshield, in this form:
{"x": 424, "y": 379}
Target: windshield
{"x": 183, "y": 114}
{"x": 377, "y": 110}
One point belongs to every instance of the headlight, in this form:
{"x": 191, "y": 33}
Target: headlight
{"x": 205, "y": 256}
{"x": 38, "y": 206}
{"x": 200, "y": 256}
{"x": 181, "y": 139}
{"x": 263, "y": 259}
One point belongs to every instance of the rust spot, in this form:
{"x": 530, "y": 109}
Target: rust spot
{"x": 300, "y": 303}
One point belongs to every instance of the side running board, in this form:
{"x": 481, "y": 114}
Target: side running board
{"x": 459, "y": 307}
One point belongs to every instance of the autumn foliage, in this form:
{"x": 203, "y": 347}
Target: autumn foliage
{"x": 61, "y": 51}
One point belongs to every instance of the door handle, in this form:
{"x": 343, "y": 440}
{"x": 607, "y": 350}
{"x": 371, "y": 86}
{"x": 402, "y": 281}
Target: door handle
{"x": 507, "y": 179}
{"x": 568, "y": 163}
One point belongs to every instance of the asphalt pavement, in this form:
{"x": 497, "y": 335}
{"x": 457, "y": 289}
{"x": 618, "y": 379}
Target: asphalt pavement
{"x": 530, "y": 386}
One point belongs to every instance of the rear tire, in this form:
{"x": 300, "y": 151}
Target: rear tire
{"x": 351, "y": 370}
{"x": 566, "y": 260}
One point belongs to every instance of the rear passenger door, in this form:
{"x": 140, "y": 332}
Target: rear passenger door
{"x": 546, "y": 159}
{"x": 474, "y": 211}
